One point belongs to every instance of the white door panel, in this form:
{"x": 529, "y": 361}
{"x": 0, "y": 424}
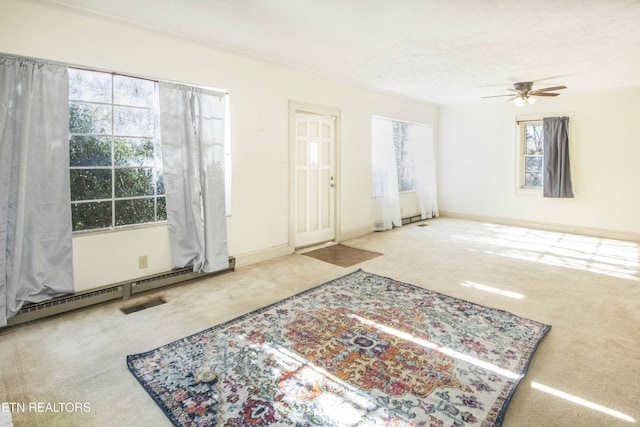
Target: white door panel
{"x": 315, "y": 181}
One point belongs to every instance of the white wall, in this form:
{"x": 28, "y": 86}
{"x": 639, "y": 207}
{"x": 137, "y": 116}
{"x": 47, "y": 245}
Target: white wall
{"x": 477, "y": 152}
{"x": 259, "y": 92}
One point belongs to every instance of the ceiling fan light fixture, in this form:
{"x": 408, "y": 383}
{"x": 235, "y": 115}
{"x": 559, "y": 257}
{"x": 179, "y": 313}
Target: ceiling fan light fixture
{"x": 524, "y": 93}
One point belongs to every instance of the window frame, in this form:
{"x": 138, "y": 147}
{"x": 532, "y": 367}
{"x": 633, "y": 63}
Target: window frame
{"x": 114, "y": 168}
{"x": 522, "y": 135}
{"x": 521, "y": 144}
{"x": 401, "y": 134}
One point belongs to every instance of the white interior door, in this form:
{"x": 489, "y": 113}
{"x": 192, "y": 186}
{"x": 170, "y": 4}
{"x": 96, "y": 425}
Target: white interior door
{"x": 315, "y": 180}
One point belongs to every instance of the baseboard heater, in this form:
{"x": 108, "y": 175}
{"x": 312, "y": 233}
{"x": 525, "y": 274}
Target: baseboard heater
{"x": 122, "y": 290}
{"x": 411, "y": 219}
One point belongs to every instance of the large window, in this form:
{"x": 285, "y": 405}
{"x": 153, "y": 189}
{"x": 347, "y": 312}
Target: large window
{"x": 404, "y": 159}
{"x": 531, "y": 138}
{"x": 115, "y": 159}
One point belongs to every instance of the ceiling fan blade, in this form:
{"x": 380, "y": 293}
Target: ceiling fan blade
{"x": 515, "y": 97}
{"x": 496, "y": 96}
{"x": 547, "y": 89}
{"x": 536, "y": 93}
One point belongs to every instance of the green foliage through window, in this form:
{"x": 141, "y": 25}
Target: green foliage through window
{"x": 114, "y": 147}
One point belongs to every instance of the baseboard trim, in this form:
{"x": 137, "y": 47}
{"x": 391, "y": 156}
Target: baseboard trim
{"x": 353, "y": 233}
{"x": 249, "y": 258}
{"x": 547, "y": 226}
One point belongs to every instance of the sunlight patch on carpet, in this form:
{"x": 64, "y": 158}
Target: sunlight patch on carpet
{"x": 360, "y": 349}
{"x": 581, "y": 401}
{"x": 492, "y": 289}
{"x": 610, "y": 257}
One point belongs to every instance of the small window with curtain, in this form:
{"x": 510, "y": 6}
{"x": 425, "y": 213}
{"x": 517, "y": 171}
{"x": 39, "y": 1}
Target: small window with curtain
{"x": 543, "y": 156}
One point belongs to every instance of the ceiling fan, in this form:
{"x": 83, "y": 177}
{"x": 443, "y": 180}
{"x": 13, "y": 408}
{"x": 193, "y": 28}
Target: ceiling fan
{"x": 524, "y": 92}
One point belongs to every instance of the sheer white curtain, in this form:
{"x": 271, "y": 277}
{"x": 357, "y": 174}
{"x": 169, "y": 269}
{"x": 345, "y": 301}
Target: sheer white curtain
{"x": 193, "y": 155}
{"x": 36, "y": 258}
{"x": 421, "y": 149}
{"x": 386, "y": 197}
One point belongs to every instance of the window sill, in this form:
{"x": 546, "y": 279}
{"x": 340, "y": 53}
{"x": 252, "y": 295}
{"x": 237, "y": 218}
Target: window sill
{"x": 121, "y": 228}
{"x": 537, "y": 192}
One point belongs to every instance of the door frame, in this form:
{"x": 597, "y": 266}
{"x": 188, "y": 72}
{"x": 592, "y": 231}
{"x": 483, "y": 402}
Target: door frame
{"x": 303, "y": 107}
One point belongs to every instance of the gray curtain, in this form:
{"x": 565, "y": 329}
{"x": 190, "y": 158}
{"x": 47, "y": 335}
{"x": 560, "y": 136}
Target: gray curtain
{"x": 36, "y": 259}
{"x": 192, "y": 134}
{"x": 557, "y": 169}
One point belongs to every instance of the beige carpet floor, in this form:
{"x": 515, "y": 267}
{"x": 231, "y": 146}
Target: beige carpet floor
{"x": 586, "y": 371}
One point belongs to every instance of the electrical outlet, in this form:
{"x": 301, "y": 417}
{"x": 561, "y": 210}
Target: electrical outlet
{"x": 143, "y": 262}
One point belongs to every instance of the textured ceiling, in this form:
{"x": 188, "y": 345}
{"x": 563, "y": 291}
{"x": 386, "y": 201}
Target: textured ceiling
{"x": 438, "y": 51}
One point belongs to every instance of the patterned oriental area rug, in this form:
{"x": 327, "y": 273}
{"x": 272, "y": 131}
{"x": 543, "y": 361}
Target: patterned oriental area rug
{"x": 360, "y": 350}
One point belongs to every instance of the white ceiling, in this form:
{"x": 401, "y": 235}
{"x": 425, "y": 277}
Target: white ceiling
{"x": 439, "y": 51}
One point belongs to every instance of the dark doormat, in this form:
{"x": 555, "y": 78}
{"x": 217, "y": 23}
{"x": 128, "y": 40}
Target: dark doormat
{"x": 342, "y": 255}
{"x": 152, "y": 302}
